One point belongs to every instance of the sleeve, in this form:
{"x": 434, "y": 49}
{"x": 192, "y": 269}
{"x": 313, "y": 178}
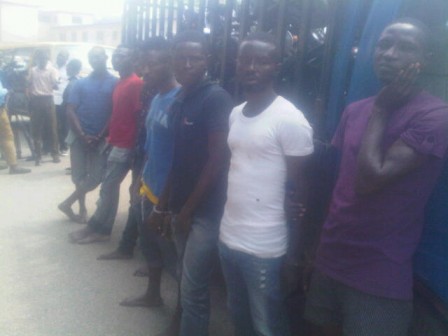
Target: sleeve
{"x": 74, "y": 95}
{"x": 295, "y": 135}
{"x": 217, "y": 108}
{"x": 338, "y": 137}
{"x": 428, "y": 134}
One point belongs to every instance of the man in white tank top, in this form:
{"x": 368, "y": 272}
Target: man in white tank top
{"x": 269, "y": 141}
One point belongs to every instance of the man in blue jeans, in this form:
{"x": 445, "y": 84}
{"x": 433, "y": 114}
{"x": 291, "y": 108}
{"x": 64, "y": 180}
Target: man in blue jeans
{"x": 269, "y": 141}
{"x": 195, "y": 191}
{"x": 122, "y": 137}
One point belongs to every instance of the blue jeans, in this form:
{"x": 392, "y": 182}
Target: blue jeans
{"x": 199, "y": 251}
{"x": 103, "y": 219}
{"x": 254, "y": 293}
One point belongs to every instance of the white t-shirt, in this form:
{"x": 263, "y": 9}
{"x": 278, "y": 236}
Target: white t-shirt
{"x": 254, "y": 220}
{"x": 62, "y": 84}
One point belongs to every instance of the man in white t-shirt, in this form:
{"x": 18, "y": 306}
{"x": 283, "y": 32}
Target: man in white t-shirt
{"x": 269, "y": 141}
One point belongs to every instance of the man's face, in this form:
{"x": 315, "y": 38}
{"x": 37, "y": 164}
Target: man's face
{"x": 61, "y": 58}
{"x": 190, "y": 63}
{"x": 256, "y": 65}
{"x": 97, "y": 59}
{"x": 122, "y": 59}
{"x": 399, "y": 46}
{"x": 156, "y": 67}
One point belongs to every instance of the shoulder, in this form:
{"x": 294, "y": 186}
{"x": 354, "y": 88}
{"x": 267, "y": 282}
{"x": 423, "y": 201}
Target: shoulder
{"x": 283, "y": 111}
{"x": 214, "y": 91}
{"x": 215, "y": 97}
{"x": 236, "y": 111}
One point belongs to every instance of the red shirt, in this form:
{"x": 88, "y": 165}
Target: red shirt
{"x": 125, "y": 112}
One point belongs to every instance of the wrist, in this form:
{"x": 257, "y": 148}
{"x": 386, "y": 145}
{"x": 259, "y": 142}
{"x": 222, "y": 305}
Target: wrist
{"x": 160, "y": 211}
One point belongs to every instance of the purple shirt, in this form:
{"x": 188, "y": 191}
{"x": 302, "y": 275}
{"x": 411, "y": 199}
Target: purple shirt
{"x": 368, "y": 242}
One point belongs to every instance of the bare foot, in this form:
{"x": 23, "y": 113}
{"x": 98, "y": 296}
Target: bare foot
{"x": 173, "y": 329}
{"x": 145, "y": 300}
{"x": 142, "y": 271}
{"x": 67, "y": 210}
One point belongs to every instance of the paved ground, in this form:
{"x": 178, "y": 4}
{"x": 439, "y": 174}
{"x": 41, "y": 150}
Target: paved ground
{"x": 51, "y": 287}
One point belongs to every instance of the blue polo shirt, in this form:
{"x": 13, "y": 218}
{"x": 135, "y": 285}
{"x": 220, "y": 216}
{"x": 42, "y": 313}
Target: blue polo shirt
{"x": 92, "y": 97}
{"x": 3, "y": 93}
{"x": 159, "y": 144}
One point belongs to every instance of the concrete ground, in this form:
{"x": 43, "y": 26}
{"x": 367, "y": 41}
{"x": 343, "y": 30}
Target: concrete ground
{"x": 49, "y": 286}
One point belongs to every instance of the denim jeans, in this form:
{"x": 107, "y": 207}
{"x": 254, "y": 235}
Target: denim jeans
{"x": 103, "y": 219}
{"x": 254, "y": 293}
{"x": 199, "y": 254}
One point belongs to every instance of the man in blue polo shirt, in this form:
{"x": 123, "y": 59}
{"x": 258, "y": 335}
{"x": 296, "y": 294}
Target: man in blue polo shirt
{"x": 89, "y": 108}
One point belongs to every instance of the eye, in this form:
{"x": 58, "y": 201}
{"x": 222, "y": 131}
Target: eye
{"x": 383, "y": 44}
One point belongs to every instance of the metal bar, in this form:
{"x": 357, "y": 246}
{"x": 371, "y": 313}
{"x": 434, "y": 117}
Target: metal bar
{"x": 191, "y": 5}
{"x": 155, "y": 7}
{"x": 325, "y": 75}
{"x": 202, "y": 7}
{"x": 140, "y": 20}
{"x": 147, "y": 20}
{"x": 180, "y": 13}
{"x": 261, "y": 14}
{"x": 170, "y": 19}
{"x": 162, "y": 17}
{"x": 305, "y": 13}
{"x": 244, "y": 22}
{"x": 281, "y": 24}
{"x": 226, "y": 38}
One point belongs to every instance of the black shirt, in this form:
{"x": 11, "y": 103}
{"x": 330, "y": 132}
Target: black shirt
{"x": 202, "y": 111}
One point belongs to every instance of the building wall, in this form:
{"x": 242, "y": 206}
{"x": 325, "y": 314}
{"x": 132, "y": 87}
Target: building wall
{"x": 107, "y": 34}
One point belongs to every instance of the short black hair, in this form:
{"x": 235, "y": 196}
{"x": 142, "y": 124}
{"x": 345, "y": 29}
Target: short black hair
{"x": 74, "y": 64}
{"x": 157, "y": 43}
{"x": 42, "y": 52}
{"x": 266, "y": 38}
{"x": 192, "y": 36}
{"x": 426, "y": 35}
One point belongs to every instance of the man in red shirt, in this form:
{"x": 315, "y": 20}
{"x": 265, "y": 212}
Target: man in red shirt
{"x": 122, "y": 137}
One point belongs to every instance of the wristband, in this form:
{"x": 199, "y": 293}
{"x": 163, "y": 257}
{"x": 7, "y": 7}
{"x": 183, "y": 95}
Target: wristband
{"x": 159, "y": 212}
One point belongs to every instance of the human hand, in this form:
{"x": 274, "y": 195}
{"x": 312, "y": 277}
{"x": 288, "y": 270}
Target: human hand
{"x": 294, "y": 209}
{"x": 400, "y": 90}
{"x": 155, "y": 221}
{"x": 90, "y": 140}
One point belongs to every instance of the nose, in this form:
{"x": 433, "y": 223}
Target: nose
{"x": 188, "y": 62}
{"x": 390, "y": 52}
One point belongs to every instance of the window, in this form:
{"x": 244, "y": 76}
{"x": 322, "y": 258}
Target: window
{"x": 100, "y": 36}
{"x": 85, "y": 36}
{"x": 76, "y": 20}
{"x": 62, "y": 36}
{"x": 114, "y": 35}
{"x": 74, "y": 36}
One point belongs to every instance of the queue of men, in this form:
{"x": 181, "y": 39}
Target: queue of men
{"x": 230, "y": 181}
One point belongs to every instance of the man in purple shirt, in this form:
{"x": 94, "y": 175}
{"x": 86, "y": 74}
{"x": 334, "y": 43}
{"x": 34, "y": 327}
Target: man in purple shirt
{"x": 392, "y": 150}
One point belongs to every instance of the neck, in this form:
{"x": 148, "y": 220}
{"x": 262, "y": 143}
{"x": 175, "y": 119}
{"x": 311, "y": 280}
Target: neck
{"x": 167, "y": 85}
{"x": 192, "y": 86}
{"x": 125, "y": 73}
{"x": 258, "y": 101}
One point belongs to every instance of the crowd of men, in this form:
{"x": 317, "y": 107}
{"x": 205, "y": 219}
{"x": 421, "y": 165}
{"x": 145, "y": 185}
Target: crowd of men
{"x": 208, "y": 177}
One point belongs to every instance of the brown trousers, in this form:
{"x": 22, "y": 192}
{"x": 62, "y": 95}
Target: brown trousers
{"x": 7, "y": 139}
{"x": 43, "y": 118}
